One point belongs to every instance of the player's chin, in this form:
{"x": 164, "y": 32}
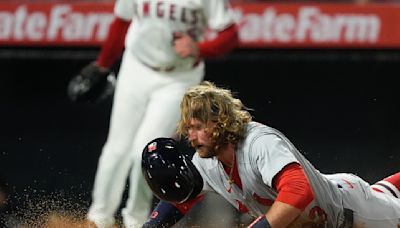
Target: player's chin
{"x": 204, "y": 153}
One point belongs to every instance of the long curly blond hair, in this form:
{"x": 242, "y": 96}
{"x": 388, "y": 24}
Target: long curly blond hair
{"x": 211, "y": 104}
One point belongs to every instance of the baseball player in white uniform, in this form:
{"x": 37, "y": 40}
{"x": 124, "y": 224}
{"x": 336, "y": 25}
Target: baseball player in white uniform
{"x": 163, "y": 55}
{"x": 259, "y": 171}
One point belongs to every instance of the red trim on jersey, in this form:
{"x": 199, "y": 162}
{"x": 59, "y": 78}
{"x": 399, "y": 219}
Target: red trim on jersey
{"x": 186, "y": 206}
{"x": 377, "y": 190}
{"x": 293, "y": 187}
{"x": 225, "y": 41}
{"x": 113, "y": 46}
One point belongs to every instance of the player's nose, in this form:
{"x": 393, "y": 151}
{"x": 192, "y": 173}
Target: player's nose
{"x": 192, "y": 135}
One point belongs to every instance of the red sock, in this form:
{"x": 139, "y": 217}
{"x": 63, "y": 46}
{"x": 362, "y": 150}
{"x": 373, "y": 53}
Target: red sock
{"x": 389, "y": 185}
{"x": 394, "y": 179}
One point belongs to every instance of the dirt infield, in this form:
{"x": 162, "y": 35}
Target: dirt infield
{"x": 55, "y": 210}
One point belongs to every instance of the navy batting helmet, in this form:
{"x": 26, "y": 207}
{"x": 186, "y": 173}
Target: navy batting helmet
{"x": 170, "y": 174}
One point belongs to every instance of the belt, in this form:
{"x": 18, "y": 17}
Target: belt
{"x": 347, "y": 215}
{"x": 162, "y": 69}
{"x": 348, "y": 218}
{"x": 169, "y": 68}
{"x": 159, "y": 69}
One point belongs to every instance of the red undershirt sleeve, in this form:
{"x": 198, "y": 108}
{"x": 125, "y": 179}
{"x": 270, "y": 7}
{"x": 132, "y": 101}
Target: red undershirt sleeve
{"x": 113, "y": 46}
{"x": 225, "y": 41}
{"x": 186, "y": 206}
{"x": 293, "y": 186}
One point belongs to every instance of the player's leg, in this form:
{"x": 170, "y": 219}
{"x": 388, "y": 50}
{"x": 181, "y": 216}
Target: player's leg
{"x": 160, "y": 120}
{"x": 114, "y": 163}
{"x": 370, "y": 208}
{"x": 390, "y": 185}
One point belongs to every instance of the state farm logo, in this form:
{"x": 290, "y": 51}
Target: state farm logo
{"x": 61, "y": 22}
{"x": 309, "y": 24}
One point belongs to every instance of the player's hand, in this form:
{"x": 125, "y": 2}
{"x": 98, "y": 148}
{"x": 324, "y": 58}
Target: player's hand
{"x": 93, "y": 83}
{"x": 185, "y": 46}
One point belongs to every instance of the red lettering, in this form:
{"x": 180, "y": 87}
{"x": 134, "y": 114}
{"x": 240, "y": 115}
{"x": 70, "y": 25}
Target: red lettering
{"x": 183, "y": 15}
{"x": 154, "y": 214}
{"x": 194, "y": 17}
{"x": 160, "y": 9}
{"x": 172, "y": 9}
{"x": 242, "y": 207}
{"x": 146, "y": 8}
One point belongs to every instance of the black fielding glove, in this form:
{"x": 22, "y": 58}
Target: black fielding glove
{"x": 91, "y": 84}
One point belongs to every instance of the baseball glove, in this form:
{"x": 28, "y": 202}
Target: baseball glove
{"x": 92, "y": 84}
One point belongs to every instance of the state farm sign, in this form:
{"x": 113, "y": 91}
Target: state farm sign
{"x": 58, "y": 23}
{"x": 261, "y": 25}
{"x": 319, "y": 25}
{"x": 308, "y": 24}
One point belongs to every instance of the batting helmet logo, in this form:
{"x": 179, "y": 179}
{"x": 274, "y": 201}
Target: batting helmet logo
{"x": 152, "y": 147}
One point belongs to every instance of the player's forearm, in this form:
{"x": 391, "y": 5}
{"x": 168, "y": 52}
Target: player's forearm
{"x": 164, "y": 215}
{"x": 225, "y": 41}
{"x": 113, "y": 46}
{"x": 282, "y": 214}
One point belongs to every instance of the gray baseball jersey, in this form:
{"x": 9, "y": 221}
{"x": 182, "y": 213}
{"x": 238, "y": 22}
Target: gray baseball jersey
{"x": 264, "y": 152}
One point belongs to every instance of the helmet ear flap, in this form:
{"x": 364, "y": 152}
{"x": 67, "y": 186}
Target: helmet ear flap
{"x": 168, "y": 172}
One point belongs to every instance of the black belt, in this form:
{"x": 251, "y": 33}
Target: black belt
{"x": 348, "y": 216}
{"x": 348, "y": 219}
{"x": 159, "y": 69}
{"x": 162, "y": 69}
{"x": 168, "y": 68}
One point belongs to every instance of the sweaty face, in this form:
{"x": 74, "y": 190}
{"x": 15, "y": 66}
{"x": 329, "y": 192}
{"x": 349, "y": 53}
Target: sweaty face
{"x": 199, "y": 135}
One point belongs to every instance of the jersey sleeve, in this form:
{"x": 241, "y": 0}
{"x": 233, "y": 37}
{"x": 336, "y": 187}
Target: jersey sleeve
{"x": 113, "y": 46}
{"x": 271, "y": 154}
{"x": 124, "y": 9}
{"x": 218, "y": 14}
{"x": 293, "y": 186}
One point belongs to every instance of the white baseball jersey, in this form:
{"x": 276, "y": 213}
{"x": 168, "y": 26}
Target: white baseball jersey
{"x": 155, "y": 22}
{"x": 264, "y": 152}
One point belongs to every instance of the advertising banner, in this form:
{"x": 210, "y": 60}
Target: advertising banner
{"x": 261, "y": 24}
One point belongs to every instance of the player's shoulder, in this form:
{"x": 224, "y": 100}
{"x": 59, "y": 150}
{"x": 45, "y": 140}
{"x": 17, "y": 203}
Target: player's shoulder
{"x": 255, "y": 130}
{"x": 260, "y": 137}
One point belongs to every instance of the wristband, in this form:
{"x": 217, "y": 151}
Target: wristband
{"x": 260, "y": 222}
{"x": 164, "y": 215}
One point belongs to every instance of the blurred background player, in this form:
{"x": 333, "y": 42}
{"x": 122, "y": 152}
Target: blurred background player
{"x": 163, "y": 55}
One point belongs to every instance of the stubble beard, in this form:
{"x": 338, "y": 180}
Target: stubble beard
{"x": 207, "y": 152}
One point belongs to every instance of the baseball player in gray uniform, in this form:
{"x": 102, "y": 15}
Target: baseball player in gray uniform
{"x": 163, "y": 55}
{"x": 258, "y": 170}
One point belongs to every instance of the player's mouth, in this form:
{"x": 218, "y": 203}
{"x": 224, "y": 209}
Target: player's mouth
{"x": 195, "y": 145}
{"x": 198, "y": 147}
